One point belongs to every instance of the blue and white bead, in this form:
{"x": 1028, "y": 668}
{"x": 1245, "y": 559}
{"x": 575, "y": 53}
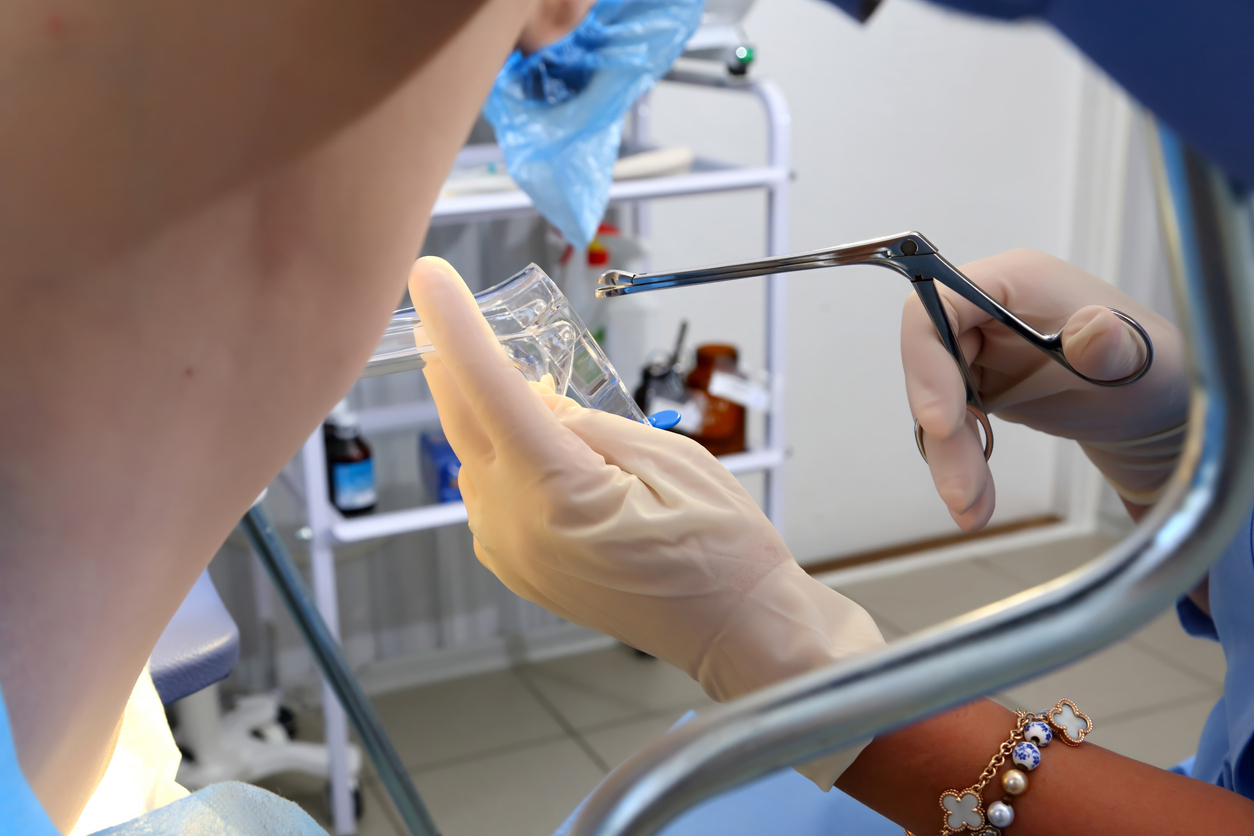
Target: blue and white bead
{"x": 1026, "y": 756}
{"x": 1038, "y": 732}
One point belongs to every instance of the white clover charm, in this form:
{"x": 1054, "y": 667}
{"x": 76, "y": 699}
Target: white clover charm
{"x": 962, "y": 810}
{"x": 1026, "y": 756}
{"x": 1038, "y": 733}
{"x": 1071, "y": 723}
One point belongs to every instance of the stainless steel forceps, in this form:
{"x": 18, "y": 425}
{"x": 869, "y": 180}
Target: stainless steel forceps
{"x": 912, "y": 255}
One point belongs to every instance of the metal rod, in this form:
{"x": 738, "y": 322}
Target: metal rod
{"x": 775, "y": 348}
{"x": 880, "y": 251}
{"x": 325, "y": 596}
{"x": 1038, "y": 630}
{"x": 336, "y": 672}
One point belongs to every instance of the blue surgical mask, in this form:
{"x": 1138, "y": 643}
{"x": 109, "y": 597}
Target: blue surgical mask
{"x": 558, "y": 112}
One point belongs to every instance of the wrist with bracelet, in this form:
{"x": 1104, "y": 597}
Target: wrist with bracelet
{"x": 964, "y": 809}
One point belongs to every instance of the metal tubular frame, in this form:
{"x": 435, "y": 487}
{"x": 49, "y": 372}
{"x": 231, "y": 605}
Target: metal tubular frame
{"x": 1209, "y": 241}
{"x": 337, "y": 675}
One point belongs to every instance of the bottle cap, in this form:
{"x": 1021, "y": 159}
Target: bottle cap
{"x": 665, "y": 419}
{"x": 710, "y": 351}
{"x": 598, "y": 256}
{"x": 343, "y": 421}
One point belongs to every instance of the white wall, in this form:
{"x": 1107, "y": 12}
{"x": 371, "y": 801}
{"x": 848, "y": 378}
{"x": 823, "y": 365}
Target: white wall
{"x": 963, "y": 129}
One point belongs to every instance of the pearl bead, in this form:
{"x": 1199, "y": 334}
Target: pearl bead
{"x": 1014, "y": 782}
{"x": 1000, "y": 814}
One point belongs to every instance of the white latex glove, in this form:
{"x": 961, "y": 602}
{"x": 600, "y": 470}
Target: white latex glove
{"x": 623, "y": 528}
{"x": 1134, "y": 434}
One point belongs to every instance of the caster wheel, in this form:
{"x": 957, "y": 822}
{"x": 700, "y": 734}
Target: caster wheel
{"x": 359, "y": 802}
{"x": 287, "y": 719}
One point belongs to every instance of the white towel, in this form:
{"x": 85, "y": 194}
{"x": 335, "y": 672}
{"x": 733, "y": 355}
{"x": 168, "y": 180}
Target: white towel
{"x": 140, "y": 776}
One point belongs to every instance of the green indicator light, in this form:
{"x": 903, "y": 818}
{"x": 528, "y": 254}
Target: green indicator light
{"x": 745, "y": 54}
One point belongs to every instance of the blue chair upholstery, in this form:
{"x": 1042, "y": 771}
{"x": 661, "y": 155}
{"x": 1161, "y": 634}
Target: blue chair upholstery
{"x": 782, "y": 802}
{"x": 199, "y": 647}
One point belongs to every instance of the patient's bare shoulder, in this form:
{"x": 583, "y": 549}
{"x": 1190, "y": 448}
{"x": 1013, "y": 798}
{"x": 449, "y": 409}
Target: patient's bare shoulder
{"x": 209, "y": 209}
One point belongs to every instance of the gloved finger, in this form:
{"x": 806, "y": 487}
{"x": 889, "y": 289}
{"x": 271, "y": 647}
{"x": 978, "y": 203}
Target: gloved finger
{"x": 544, "y": 386}
{"x": 457, "y": 419}
{"x": 1100, "y": 345}
{"x": 961, "y": 475}
{"x": 512, "y": 415}
{"x": 466, "y": 487}
{"x": 934, "y": 385}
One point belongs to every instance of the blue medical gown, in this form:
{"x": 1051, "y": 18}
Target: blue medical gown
{"x": 20, "y": 811}
{"x": 783, "y": 802}
{"x": 1224, "y": 753}
{"x": 227, "y": 809}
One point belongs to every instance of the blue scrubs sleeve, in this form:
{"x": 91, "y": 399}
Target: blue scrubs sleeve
{"x": 1195, "y": 622}
{"x": 1188, "y": 62}
{"x": 1224, "y": 755}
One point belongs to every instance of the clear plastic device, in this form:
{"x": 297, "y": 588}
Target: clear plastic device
{"x": 541, "y": 333}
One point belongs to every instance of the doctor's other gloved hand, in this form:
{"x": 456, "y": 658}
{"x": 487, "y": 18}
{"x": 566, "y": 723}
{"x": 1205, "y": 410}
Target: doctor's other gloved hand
{"x": 1134, "y": 433}
{"x": 623, "y": 528}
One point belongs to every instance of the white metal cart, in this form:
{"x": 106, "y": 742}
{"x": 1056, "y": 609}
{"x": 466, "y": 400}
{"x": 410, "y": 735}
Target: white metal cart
{"x": 328, "y": 529}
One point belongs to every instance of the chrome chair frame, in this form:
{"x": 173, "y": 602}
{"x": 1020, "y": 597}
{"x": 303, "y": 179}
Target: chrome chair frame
{"x": 1208, "y": 226}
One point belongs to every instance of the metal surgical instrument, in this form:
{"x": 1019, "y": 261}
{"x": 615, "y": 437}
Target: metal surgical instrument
{"x": 916, "y": 258}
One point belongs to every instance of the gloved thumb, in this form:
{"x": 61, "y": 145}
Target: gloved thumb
{"x": 1100, "y": 345}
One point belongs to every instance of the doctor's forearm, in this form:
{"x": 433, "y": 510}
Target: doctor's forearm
{"x": 1075, "y": 791}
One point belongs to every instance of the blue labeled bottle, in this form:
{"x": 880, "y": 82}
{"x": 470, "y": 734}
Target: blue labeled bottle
{"x": 350, "y": 465}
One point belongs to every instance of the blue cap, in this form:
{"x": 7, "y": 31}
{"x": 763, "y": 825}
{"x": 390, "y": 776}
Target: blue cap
{"x": 665, "y": 419}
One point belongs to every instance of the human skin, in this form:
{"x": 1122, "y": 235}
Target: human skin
{"x": 1075, "y": 791}
{"x": 210, "y": 209}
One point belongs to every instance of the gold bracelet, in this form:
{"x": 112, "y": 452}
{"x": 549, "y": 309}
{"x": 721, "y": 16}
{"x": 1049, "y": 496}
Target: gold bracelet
{"x": 964, "y": 809}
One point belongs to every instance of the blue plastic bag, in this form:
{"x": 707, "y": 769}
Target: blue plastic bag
{"x": 558, "y": 112}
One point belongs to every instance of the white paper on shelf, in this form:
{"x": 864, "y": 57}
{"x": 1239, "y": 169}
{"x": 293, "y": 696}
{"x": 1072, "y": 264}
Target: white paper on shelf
{"x": 691, "y": 413}
{"x": 736, "y": 389}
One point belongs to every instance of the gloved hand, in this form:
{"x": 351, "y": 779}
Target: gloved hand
{"x": 623, "y": 528}
{"x": 1134, "y": 434}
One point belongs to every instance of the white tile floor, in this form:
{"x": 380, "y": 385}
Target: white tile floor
{"x": 514, "y": 752}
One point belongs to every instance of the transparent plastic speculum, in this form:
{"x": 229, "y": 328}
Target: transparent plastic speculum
{"x": 541, "y": 333}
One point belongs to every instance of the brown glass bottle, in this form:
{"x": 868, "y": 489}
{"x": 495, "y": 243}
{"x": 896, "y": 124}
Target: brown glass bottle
{"x": 723, "y": 428}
